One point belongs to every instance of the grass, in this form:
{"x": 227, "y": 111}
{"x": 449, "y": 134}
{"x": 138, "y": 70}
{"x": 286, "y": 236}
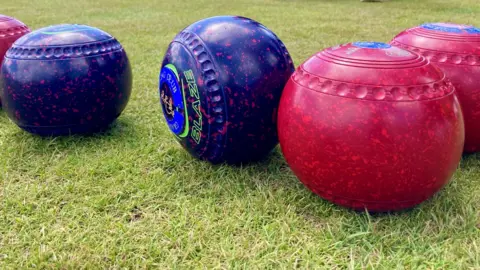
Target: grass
{"x": 132, "y": 198}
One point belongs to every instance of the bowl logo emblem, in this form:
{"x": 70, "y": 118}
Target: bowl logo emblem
{"x": 172, "y": 101}
{"x": 371, "y": 45}
{"x": 68, "y": 28}
{"x": 451, "y": 28}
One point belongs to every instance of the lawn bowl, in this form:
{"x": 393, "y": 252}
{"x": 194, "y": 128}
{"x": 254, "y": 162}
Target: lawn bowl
{"x": 10, "y": 30}
{"x": 65, "y": 80}
{"x": 371, "y": 126}
{"x": 220, "y": 84}
{"x": 455, "y": 49}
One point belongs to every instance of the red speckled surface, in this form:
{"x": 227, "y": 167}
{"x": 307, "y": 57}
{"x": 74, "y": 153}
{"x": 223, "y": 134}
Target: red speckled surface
{"x": 456, "y": 50}
{"x": 375, "y": 128}
{"x": 10, "y": 30}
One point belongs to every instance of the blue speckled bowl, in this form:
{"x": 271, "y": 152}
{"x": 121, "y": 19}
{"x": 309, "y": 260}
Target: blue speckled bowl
{"x": 65, "y": 79}
{"x": 220, "y": 85}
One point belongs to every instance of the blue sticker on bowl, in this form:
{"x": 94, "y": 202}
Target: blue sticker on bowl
{"x": 451, "y": 28}
{"x": 172, "y": 99}
{"x": 371, "y": 45}
{"x": 473, "y": 30}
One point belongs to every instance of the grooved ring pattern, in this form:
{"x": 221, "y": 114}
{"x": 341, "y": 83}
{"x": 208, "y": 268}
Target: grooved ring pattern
{"x": 211, "y": 84}
{"x": 14, "y": 31}
{"x": 443, "y": 57}
{"x": 64, "y": 51}
{"x": 377, "y": 93}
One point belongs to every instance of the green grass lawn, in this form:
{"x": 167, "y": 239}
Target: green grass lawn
{"x": 133, "y": 198}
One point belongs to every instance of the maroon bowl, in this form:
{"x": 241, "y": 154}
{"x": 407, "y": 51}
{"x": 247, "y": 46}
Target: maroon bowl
{"x": 10, "y": 30}
{"x": 456, "y": 50}
{"x": 371, "y": 126}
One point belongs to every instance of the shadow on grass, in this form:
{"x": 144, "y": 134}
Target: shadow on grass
{"x": 271, "y": 174}
{"x": 450, "y": 209}
{"x": 449, "y": 203}
{"x": 469, "y": 160}
{"x": 121, "y": 129}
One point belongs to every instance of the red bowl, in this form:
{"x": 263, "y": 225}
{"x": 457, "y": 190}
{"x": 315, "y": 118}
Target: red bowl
{"x": 456, "y": 50}
{"x": 10, "y": 30}
{"x": 371, "y": 126}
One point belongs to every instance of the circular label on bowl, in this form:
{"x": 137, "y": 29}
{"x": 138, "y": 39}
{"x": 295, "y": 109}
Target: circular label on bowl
{"x": 451, "y": 28}
{"x": 371, "y": 45}
{"x": 66, "y": 28}
{"x": 472, "y": 30}
{"x": 63, "y": 35}
{"x": 172, "y": 99}
{"x": 371, "y": 52}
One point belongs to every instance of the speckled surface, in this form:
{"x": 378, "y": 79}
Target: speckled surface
{"x": 65, "y": 79}
{"x": 10, "y": 30}
{"x": 371, "y": 126}
{"x": 456, "y": 50}
{"x": 220, "y": 84}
